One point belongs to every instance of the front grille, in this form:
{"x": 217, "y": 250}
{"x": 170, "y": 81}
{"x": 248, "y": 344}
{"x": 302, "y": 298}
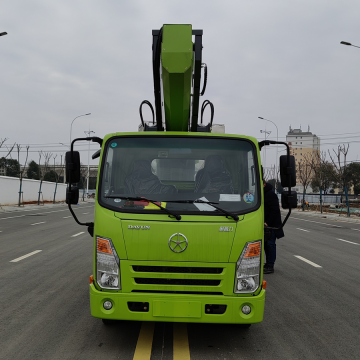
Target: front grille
{"x": 188, "y": 278}
{"x": 177, "y": 269}
{"x": 178, "y": 292}
{"x": 193, "y": 282}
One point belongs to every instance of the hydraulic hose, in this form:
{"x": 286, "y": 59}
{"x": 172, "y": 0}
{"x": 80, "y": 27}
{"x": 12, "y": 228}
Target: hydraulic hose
{"x": 205, "y": 80}
{"x": 203, "y": 106}
{"x": 140, "y": 111}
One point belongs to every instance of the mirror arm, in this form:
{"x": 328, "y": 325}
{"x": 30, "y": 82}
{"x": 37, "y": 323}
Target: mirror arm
{"x": 91, "y": 138}
{"x": 282, "y": 225}
{"x": 76, "y": 219}
{"x": 96, "y": 154}
{"x": 271, "y": 142}
{"x": 90, "y": 225}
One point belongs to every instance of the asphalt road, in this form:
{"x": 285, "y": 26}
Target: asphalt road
{"x": 312, "y": 301}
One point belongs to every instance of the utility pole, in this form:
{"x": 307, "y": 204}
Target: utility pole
{"x": 88, "y": 133}
{"x": 266, "y": 133}
{"x": 277, "y": 139}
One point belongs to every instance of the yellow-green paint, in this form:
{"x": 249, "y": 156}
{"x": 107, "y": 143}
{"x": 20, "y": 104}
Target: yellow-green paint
{"x": 207, "y": 248}
{"x": 177, "y": 70}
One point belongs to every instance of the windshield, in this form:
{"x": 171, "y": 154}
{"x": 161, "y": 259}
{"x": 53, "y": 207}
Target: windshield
{"x": 170, "y": 170}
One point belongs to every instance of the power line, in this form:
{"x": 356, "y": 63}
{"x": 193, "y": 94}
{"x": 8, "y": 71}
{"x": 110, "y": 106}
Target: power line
{"x": 339, "y": 134}
{"x": 59, "y": 150}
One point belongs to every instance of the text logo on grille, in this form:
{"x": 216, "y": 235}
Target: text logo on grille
{"x": 178, "y": 243}
{"x": 138, "y": 227}
{"x": 226, "y": 228}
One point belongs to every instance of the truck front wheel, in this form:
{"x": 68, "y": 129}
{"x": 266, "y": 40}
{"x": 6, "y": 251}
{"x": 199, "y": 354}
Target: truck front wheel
{"x": 244, "y": 326}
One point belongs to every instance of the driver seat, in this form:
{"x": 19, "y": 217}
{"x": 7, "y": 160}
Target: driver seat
{"x": 214, "y": 177}
{"x": 142, "y": 181}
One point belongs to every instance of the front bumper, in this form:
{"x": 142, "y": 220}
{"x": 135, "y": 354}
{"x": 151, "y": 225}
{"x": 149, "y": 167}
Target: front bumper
{"x": 177, "y": 307}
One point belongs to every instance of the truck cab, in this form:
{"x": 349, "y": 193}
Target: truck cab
{"x": 188, "y": 260}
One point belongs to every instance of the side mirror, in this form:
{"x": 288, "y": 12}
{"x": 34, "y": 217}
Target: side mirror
{"x": 72, "y": 195}
{"x": 72, "y": 166}
{"x": 289, "y": 201}
{"x": 285, "y": 171}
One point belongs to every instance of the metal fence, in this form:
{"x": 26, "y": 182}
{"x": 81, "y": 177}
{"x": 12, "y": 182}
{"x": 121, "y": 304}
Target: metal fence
{"x": 327, "y": 199}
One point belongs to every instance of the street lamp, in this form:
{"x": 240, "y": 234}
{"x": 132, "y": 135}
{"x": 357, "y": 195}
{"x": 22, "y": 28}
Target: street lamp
{"x": 72, "y": 124}
{"x": 3, "y": 33}
{"x": 277, "y": 131}
{"x": 349, "y": 44}
{"x": 266, "y": 133}
{"x": 277, "y": 139}
{"x": 88, "y": 174}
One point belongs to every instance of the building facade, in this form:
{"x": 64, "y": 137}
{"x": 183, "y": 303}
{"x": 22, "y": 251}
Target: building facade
{"x": 302, "y": 144}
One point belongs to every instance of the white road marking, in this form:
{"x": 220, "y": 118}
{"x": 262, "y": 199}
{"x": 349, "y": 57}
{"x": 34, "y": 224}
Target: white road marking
{"x": 303, "y": 230}
{"x": 12, "y": 217}
{"x": 78, "y": 234}
{"x": 308, "y": 261}
{"x": 350, "y": 242}
{"x": 42, "y": 222}
{"x": 66, "y": 217}
{"x": 85, "y": 213}
{"x": 25, "y": 256}
{"x": 317, "y": 222}
{"x": 356, "y": 229}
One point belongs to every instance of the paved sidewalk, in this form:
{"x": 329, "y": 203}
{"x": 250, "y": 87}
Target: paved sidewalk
{"x": 324, "y": 215}
{"x": 34, "y": 207}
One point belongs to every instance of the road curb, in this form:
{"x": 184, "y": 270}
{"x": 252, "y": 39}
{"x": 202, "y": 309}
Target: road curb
{"x": 327, "y": 216}
{"x": 5, "y": 209}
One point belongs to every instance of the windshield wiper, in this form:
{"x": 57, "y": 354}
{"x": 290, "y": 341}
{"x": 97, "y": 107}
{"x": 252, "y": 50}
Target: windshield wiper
{"x": 199, "y": 201}
{"x": 137, "y": 198}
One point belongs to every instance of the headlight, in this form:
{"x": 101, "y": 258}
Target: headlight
{"x": 248, "y": 268}
{"x": 107, "y": 265}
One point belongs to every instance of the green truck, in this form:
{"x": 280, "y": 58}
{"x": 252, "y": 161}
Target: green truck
{"x": 179, "y": 215}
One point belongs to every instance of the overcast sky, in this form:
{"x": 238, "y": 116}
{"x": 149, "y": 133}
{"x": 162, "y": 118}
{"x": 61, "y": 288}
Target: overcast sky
{"x": 281, "y": 60}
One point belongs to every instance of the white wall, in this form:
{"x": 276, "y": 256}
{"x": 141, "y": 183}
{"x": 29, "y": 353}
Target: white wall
{"x": 10, "y": 186}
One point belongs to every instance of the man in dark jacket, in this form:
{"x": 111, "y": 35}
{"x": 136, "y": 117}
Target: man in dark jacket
{"x": 272, "y": 218}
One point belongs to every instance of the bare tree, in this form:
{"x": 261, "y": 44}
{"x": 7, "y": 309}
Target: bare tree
{"x": 47, "y": 158}
{"x": 339, "y": 161}
{"x": 21, "y": 171}
{"x": 9, "y": 149}
{"x": 57, "y": 175}
{"x": 305, "y": 174}
{"x": 268, "y": 173}
{"x": 18, "y": 147}
{"x": 323, "y": 174}
{"x": 40, "y": 172}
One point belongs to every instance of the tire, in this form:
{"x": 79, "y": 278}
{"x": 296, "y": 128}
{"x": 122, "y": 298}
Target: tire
{"x": 244, "y": 326}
